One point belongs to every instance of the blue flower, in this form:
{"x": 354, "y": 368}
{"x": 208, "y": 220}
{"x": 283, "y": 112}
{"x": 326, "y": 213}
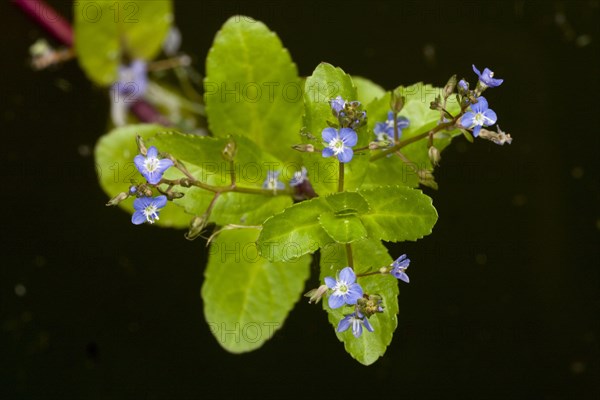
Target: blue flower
{"x": 384, "y": 131}
{"x": 146, "y": 209}
{"x": 463, "y": 85}
{"x": 487, "y": 77}
{"x": 480, "y": 116}
{"x": 345, "y": 289}
{"x": 133, "y": 81}
{"x": 337, "y": 105}
{"x": 272, "y": 182}
{"x": 357, "y": 320}
{"x": 151, "y": 167}
{"x": 299, "y": 177}
{"x": 399, "y": 267}
{"x": 339, "y": 143}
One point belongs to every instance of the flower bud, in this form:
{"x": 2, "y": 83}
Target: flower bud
{"x": 197, "y": 224}
{"x": 500, "y": 137}
{"x": 449, "y": 88}
{"x": 434, "y": 155}
{"x": 426, "y": 179}
{"x": 117, "y": 199}
{"x": 229, "y": 151}
{"x": 370, "y": 305}
{"x": 315, "y": 295}
{"x": 436, "y": 104}
{"x": 304, "y": 148}
{"x": 397, "y": 101}
{"x": 141, "y": 146}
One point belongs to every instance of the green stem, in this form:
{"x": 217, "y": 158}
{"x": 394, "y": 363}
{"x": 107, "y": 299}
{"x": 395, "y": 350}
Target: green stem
{"x": 349, "y": 255}
{"x": 396, "y": 133}
{"x": 413, "y": 139}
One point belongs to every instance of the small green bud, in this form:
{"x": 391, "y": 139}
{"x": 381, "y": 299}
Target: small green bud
{"x": 315, "y": 295}
{"x": 197, "y": 225}
{"x": 141, "y": 146}
{"x": 304, "y": 148}
{"x": 397, "y": 101}
{"x": 450, "y": 86}
{"x": 434, "y": 155}
{"x": 426, "y": 179}
{"x": 117, "y": 199}
{"x": 229, "y": 151}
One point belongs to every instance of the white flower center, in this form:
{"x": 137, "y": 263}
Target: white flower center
{"x": 479, "y": 119}
{"x": 337, "y": 145}
{"x": 341, "y": 288}
{"x": 150, "y": 213}
{"x": 151, "y": 164}
{"x": 389, "y": 123}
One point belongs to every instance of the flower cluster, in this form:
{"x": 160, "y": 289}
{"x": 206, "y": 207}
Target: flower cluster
{"x": 384, "y": 131}
{"x": 339, "y": 142}
{"x": 344, "y": 290}
{"x": 479, "y": 114}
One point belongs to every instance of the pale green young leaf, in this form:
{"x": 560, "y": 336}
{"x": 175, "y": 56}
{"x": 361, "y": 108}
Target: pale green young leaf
{"x": 326, "y": 83}
{"x": 252, "y": 88}
{"x": 246, "y": 297}
{"x": 107, "y": 30}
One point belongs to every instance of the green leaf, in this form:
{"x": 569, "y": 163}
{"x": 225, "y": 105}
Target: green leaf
{"x": 348, "y": 203}
{"x": 114, "y": 155}
{"x": 202, "y": 157}
{"x": 392, "y": 170}
{"x": 367, "y": 90}
{"x": 246, "y": 297}
{"x": 343, "y": 228}
{"x": 252, "y": 88}
{"x": 294, "y": 232}
{"x": 326, "y": 83}
{"x": 398, "y": 213}
{"x": 105, "y": 30}
{"x": 368, "y": 255}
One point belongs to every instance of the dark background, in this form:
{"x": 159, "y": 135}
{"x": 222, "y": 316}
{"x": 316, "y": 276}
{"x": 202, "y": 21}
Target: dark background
{"x": 504, "y": 295}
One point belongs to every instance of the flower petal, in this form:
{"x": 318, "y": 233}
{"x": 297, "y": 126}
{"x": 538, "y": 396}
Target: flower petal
{"x": 476, "y": 71}
{"x": 346, "y": 155}
{"x": 356, "y": 328}
{"x": 336, "y": 301}
{"x": 481, "y": 105}
{"x": 344, "y": 324}
{"x": 490, "y": 117}
{"x": 400, "y": 274}
{"x": 354, "y": 293}
{"x": 152, "y": 152}
{"x": 403, "y": 122}
{"x": 160, "y": 201}
{"x": 139, "y": 163}
{"x": 329, "y": 134}
{"x": 348, "y": 136}
{"x": 327, "y": 152}
{"x": 138, "y": 218}
{"x": 476, "y": 130}
{"x": 468, "y": 119}
{"x": 347, "y": 275}
{"x": 330, "y": 282}
{"x": 141, "y": 203}
{"x": 164, "y": 164}
{"x": 368, "y": 324}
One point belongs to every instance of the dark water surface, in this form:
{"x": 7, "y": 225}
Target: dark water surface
{"x": 504, "y": 295}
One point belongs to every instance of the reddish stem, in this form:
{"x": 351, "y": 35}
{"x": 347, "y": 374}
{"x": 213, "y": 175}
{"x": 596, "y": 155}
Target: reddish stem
{"x": 47, "y": 18}
{"x": 57, "y": 26}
